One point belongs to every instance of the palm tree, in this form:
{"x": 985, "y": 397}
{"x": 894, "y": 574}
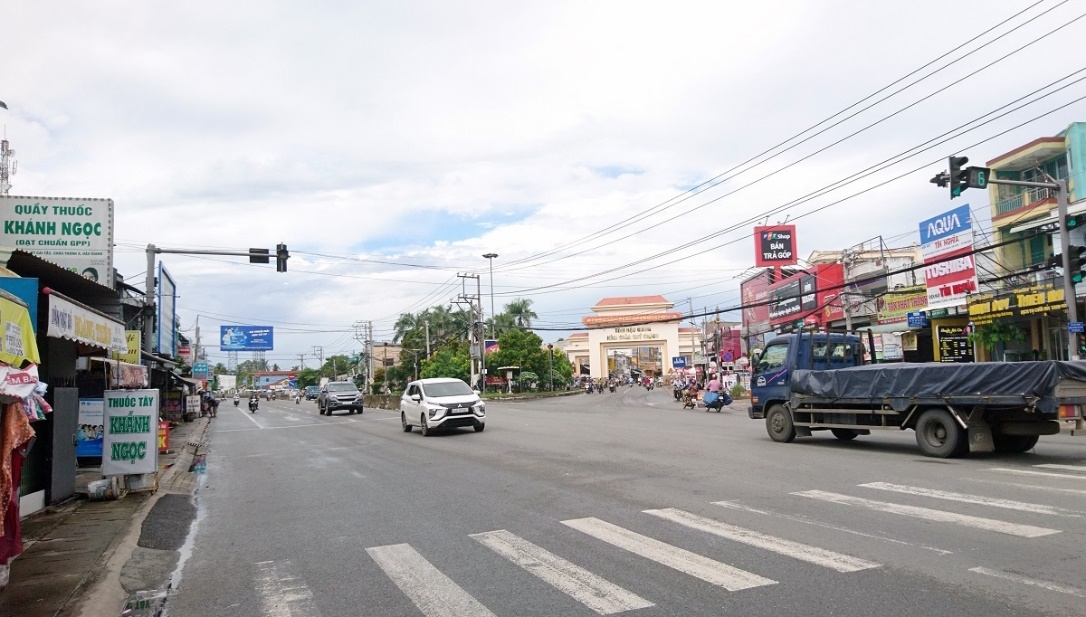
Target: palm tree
{"x": 406, "y": 323}
{"x": 521, "y": 312}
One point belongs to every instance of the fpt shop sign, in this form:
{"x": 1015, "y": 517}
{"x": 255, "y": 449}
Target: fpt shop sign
{"x": 775, "y": 245}
{"x": 130, "y": 432}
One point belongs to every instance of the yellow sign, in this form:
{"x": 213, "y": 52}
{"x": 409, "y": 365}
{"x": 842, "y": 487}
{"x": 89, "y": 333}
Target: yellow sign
{"x": 17, "y": 342}
{"x": 896, "y": 307}
{"x": 133, "y": 339}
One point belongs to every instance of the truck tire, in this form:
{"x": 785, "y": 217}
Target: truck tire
{"x": 778, "y": 423}
{"x": 1013, "y": 444}
{"x": 844, "y": 434}
{"x": 939, "y": 434}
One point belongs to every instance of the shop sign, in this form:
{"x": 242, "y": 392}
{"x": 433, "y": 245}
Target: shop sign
{"x": 199, "y": 370}
{"x": 163, "y": 436}
{"x": 632, "y": 333}
{"x": 954, "y": 345}
{"x": 77, "y": 323}
{"x": 909, "y": 341}
{"x": 775, "y": 245}
{"x": 1020, "y": 302}
{"x": 896, "y": 307}
{"x": 133, "y": 340}
{"x": 75, "y": 234}
{"x": 946, "y": 242}
{"x": 755, "y": 293}
{"x": 917, "y": 320}
{"x": 88, "y": 436}
{"x": 130, "y": 438}
{"x": 785, "y": 300}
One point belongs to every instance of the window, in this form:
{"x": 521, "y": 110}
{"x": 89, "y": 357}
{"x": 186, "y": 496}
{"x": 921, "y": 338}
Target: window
{"x": 773, "y": 357}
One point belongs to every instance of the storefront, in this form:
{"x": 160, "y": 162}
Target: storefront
{"x": 1027, "y": 322}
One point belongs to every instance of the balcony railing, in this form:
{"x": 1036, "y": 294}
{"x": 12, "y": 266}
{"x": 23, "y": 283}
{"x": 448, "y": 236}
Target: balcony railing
{"x": 1025, "y": 198}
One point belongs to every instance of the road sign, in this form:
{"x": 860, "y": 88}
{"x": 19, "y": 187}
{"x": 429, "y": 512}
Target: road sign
{"x": 917, "y": 319}
{"x": 678, "y": 361}
{"x": 1075, "y": 327}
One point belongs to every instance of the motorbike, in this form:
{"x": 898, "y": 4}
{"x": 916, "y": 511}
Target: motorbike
{"x": 297, "y": 400}
{"x": 611, "y": 387}
{"x": 588, "y": 389}
{"x": 253, "y": 404}
{"x": 716, "y": 401}
{"x": 236, "y": 401}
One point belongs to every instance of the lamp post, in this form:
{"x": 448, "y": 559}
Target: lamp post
{"x": 384, "y": 365}
{"x": 490, "y": 257}
{"x": 550, "y": 365}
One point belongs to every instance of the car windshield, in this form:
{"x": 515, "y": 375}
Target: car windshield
{"x": 341, "y": 387}
{"x": 447, "y": 388}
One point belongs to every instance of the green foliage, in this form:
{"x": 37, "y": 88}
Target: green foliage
{"x": 991, "y": 335}
{"x": 737, "y": 390}
{"x": 451, "y": 361}
{"x": 306, "y": 377}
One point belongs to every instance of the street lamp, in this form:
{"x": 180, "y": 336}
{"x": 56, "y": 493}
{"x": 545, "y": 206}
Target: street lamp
{"x": 384, "y": 365}
{"x": 550, "y": 365}
{"x": 490, "y": 257}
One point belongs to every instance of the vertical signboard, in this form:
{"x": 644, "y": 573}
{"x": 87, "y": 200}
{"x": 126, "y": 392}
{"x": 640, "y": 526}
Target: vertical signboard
{"x": 74, "y": 233}
{"x": 167, "y": 313}
{"x": 775, "y": 245}
{"x": 755, "y": 297}
{"x": 946, "y": 242}
{"x": 130, "y": 439}
{"x": 88, "y": 437}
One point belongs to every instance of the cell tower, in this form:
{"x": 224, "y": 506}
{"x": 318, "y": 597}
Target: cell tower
{"x": 258, "y": 358}
{"x": 231, "y": 360}
{"x": 8, "y": 167}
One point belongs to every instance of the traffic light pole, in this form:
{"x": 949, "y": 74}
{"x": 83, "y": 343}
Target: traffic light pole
{"x": 1060, "y": 186}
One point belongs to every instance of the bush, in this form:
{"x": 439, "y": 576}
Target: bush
{"x": 737, "y": 391}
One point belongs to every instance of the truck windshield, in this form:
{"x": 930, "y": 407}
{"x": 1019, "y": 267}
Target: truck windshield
{"x": 773, "y": 357}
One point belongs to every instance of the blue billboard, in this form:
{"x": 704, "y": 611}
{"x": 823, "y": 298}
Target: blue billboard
{"x": 245, "y": 338}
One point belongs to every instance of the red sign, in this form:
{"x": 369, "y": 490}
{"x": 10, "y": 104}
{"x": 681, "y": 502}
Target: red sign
{"x": 163, "y": 436}
{"x": 775, "y": 245}
{"x": 810, "y": 297}
{"x": 754, "y": 294}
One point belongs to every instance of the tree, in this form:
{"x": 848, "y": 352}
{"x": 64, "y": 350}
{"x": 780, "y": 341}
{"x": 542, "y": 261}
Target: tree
{"x": 521, "y": 312}
{"x": 448, "y": 362}
{"x": 522, "y": 349}
{"x": 406, "y": 323}
{"x": 306, "y": 377}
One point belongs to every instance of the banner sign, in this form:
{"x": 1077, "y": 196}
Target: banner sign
{"x": 88, "y": 437}
{"x": 755, "y": 293}
{"x": 76, "y": 234}
{"x": 948, "y": 240}
{"x": 130, "y": 439}
{"x": 132, "y": 338}
{"x": 166, "y": 317}
{"x": 78, "y": 323}
{"x": 775, "y": 245}
{"x": 895, "y": 307}
{"x": 1020, "y": 302}
{"x": 246, "y": 338}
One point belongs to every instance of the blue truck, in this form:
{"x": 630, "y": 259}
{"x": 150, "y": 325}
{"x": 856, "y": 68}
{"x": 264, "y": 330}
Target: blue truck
{"x": 817, "y": 381}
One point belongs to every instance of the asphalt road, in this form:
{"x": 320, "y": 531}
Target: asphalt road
{"x": 622, "y": 503}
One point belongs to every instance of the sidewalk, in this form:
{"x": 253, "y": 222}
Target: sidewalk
{"x": 66, "y": 547}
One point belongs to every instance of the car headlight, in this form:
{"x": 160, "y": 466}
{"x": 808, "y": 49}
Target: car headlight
{"x": 436, "y": 411}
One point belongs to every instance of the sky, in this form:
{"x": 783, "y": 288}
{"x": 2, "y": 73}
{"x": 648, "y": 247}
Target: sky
{"x": 599, "y": 148}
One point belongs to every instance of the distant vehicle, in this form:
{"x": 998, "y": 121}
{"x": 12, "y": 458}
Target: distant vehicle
{"x": 312, "y": 392}
{"x": 336, "y": 395}
{"x": 439, "y": 403}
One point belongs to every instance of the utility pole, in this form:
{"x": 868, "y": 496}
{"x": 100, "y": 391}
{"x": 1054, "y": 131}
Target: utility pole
{"x": 477, "y": 332}
{"x": 369, "y": 355}
{"x": 427, "y": 339}
{"x": 301, "y": 362}
{"x": 319, "y": 352}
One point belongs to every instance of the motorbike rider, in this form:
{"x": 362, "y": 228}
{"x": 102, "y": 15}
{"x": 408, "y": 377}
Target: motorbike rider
{"x": 237, "y": 399}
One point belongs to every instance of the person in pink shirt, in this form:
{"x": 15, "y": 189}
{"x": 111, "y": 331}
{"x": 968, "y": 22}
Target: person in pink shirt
{"x": 714, "y": 385}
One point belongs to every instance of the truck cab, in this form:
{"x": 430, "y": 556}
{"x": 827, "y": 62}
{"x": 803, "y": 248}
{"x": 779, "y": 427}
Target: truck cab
{"x": 771, "y": 370}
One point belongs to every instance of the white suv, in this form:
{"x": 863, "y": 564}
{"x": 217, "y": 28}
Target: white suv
{"x": 439, "y": 403}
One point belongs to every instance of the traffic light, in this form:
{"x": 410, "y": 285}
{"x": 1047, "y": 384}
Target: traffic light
{"x": 1076, "y": 260}
{"x": 1075, "y": 221}
{"x": 281, "y": 257}
{"x": 959, "y": 177}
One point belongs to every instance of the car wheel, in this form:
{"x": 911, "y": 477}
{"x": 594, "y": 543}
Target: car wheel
{"x": 403, "y": 421}
{"x": 480, "y": 426}
{"x": 425, "y": 430}
{"x": 938, "y": 434}
{"x": 778, "y": 423}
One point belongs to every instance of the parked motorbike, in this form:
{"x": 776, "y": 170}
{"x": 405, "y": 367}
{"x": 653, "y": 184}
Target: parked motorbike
{"x": 253, "y": 404}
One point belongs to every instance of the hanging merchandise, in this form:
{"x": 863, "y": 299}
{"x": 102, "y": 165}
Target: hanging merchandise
{"x": 15, "y": 438}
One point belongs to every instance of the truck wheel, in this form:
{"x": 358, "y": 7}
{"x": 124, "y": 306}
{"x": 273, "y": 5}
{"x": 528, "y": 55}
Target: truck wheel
{"x": 1013, "y": 444}
{"x": 778, "y": 423}
{"x": 844, "y": 434}
{"x": 939, "y": 435}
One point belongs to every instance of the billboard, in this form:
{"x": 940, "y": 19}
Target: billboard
{"x": 76, "y": 234}
{"x": 774, "y": 245}
{"x": 166, "y": 345}
{"x": 811, "y": 297}
{"x": 946, "y": 242}
{"x": 755, "y": 294}
{"x": 245, "y": 338}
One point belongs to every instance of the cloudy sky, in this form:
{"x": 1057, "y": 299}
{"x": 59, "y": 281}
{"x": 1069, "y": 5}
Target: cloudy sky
{"x": 599, "y": 148}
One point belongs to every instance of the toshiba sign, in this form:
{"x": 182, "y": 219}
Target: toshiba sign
{"x": 947, "y": 245}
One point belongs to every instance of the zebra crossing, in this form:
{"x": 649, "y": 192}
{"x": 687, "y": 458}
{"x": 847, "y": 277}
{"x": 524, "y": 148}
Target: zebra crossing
{"x": 435, "y": 594}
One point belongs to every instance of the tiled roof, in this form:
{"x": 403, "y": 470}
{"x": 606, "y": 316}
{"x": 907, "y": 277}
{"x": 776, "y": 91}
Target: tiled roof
{"x": 621, "y": 301}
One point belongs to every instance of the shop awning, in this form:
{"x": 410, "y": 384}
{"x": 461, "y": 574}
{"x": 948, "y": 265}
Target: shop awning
{"x": 1072, "y": 209}
{"x": 17, "y": 343}
{"x": 150, "y": 357}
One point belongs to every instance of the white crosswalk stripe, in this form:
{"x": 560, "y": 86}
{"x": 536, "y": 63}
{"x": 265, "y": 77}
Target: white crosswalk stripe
{"x": 803, "y": 552}
{"x": 1047, "y": 474}
{"x": 596, "y": 593}
{"x": 435, "y": 594}
{"x": 698, "y": 566}
{"x": 1006, "y": 504}
{"x": 1014, "y": 529}
{"x": 1079, "y": 468}
{"x": 282, "y": 592}
{"x": 1024, "y": 580}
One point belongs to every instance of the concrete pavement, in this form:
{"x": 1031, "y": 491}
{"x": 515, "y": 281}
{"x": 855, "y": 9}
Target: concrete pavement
{"x": 81, "y": 557}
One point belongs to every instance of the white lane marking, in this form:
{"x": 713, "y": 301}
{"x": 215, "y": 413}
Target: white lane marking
{"x": 942, "y": 516}
{"x": 802, "y": 519}
{"x": 282, "y": 592}
{"x": 1006, "y": 504}
{"x": 708, "y": 570}
{"x": 1078, "y": 593}
{"x": 1081, "y": 468}
{"x": 788, "y": 548}
{"x": 1026, "y": 472}
{"x": 247, "y": 415}
{"x": 1051, "y": 489}
{"x": 278, "y": 428}
{"x": 593, "y": 591}
{"x": 435, "y": 594}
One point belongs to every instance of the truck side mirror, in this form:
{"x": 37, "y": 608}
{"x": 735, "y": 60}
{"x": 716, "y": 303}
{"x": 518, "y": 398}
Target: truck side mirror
{"x": 754, "y": 359}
